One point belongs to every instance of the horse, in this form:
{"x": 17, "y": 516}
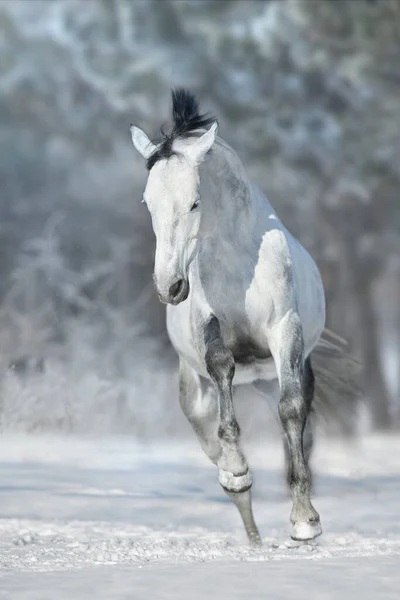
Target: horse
{"x": 245, "y": 303}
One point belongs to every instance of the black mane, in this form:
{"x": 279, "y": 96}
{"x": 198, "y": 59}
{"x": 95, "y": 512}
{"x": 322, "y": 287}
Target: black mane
{"x": 186, "y": 119}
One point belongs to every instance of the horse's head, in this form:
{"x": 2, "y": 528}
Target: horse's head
{"x": 173, "y": 199}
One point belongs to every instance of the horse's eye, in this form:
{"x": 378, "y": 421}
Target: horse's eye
{"x": 195, "y": 204}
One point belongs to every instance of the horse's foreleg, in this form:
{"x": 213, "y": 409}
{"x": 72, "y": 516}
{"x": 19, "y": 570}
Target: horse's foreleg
{"x": 295, "y": 380}
{"x": 234, "y": 474}
{"x": 202, "y": 412}
{"x": 308, "y": 434}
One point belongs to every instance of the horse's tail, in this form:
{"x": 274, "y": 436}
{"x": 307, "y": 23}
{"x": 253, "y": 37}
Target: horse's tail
{"x": 337, "y": 390}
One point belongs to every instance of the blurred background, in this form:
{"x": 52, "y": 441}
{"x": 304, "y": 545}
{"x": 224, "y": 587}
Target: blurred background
{"x": 308, "y": 94}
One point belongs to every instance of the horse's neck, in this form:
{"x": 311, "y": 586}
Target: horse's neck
{"x": 238, "y": 216}
{"x": 231, "y": 214}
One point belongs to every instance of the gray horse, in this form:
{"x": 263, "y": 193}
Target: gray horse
{"x": 245, "y": 302}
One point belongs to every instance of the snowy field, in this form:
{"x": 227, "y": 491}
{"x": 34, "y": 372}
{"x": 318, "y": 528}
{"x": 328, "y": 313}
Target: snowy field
{"x": 109, "y": 519}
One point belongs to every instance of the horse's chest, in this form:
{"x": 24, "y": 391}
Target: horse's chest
{"x": 246, "y": 346}
{"x": 242, "y": 329}
{"x": 246, "y": 351}
{"x": 252, "y": 355}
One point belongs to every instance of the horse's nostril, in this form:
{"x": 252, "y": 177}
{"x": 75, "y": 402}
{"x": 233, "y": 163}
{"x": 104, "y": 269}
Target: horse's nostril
{"x": 176, "y": 288}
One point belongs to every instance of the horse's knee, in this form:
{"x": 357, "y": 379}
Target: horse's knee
{"x": 229, "y": 432}
{"x": 292, "y": 406}
{"x": 219, "y": 360}
{"x": 220, "y": 363}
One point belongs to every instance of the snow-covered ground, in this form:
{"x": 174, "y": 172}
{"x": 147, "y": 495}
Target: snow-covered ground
{"x": 107, "y": 518}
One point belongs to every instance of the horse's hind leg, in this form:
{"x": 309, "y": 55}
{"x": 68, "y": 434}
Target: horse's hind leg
{"x": 294, "y": 407}
{"x": 203, "y": 412}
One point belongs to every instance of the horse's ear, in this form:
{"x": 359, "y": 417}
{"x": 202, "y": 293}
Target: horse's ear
{"x": 142, "y": 143}
{"x": 199, "y": 149}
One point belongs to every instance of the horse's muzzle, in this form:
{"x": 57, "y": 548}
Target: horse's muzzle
{"x": 177, "y": 293}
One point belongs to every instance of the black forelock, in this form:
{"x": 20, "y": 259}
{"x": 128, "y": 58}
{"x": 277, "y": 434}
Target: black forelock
{"x": 185, "y": 113}
{"x": 186, "y": 118}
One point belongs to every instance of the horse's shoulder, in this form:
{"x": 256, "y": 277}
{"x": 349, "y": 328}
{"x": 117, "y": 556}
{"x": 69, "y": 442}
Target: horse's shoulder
{"x": 275, "y": 251}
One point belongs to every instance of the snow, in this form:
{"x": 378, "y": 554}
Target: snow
{"x": 110, "y": 518}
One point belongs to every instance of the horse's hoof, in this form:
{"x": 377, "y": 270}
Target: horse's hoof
{"x": 254, "y": 539}
{"x": 306, "y": 530}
